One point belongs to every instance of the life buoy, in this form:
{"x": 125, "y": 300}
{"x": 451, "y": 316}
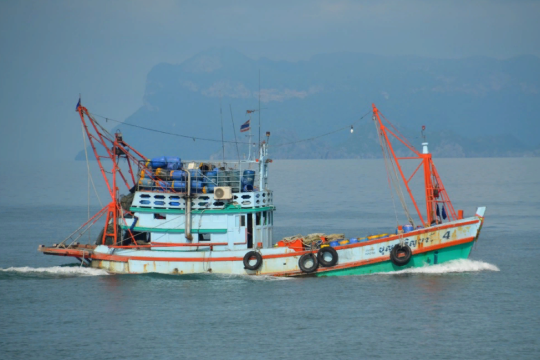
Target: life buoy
{"x": 401, "y": 255}
{"x": 250, "y": 255}
{"x": 305, "y": 259}
{"x": 324, "y": 253}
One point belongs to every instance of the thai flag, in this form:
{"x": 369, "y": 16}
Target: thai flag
{"x": 245, "y": 126}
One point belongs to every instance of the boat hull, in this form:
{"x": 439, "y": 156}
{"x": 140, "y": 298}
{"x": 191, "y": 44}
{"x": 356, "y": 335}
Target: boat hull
{"x": 456, "y": 252}
{"x": 433, "y": 245}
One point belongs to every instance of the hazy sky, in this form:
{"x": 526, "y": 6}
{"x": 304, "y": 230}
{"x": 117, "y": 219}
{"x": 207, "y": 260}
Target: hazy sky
{"x": 50, "y": 51}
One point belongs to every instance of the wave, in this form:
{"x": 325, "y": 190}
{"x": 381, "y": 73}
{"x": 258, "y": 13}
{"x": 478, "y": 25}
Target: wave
{"x": 56, "y": 270}
{"x": 453, "y": 266}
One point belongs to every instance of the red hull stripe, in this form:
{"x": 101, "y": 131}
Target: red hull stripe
{"x": 119, "y": 258}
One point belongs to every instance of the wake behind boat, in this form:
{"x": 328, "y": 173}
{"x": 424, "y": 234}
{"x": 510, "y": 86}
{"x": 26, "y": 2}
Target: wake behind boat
{"x": 188, "y": 217}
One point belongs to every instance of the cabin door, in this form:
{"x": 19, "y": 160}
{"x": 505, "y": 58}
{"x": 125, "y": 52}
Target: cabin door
{"x": 249, "y": 231}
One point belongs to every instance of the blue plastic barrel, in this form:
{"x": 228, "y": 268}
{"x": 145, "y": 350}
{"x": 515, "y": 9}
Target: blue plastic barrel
{"x": 178, "y": 175}
{"x": 212, "y": 177}
{"x": 173, "y": 163}
{"x": 158, "y": 162}
{"x": 196, "y": 174}
{"x": 247, "y": 188}
{"x": 146, "y": 183}
{"x": 248, "y": 178}
{"x": 197, "y": 186}
{"x": 179, "y": 186}
{"x": 209, "y": 188}
{"x": 407, "y": 228}
{"x": 353, "y": 240}
{"x": 334, "y": 243}
{"x": 162, "y": 185}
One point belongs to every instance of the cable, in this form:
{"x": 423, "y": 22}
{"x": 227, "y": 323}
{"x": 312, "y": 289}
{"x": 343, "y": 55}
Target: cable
{"x": 166, "y": 132}
{"x": 329, "y": 133}
{"x": 232, "y": 142}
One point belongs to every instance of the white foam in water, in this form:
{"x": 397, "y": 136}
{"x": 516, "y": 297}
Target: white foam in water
{"x": 454, "y": 266}
{"x": 58, "y": 270}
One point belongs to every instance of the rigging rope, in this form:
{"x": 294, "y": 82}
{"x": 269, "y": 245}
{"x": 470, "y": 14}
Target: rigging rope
{"x": 329, "y": 133}
{"x": 89, "y": 172}
{"x": 226, "y": 141}
{"x": 392, "y": 175}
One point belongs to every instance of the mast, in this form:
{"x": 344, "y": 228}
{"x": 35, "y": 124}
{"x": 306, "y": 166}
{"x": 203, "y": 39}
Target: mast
{"x": 116, "y": 148}
{"x": 435, "y": 193}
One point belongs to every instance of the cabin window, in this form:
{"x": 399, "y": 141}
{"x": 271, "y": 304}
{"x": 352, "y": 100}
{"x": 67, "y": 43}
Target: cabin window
{"x": 243, "y": 220}
{"x": 265, "y": 218}
{"x": 160, "y": 216}
{"x": 204, "y": 237}
{"x": 258, "y": 219}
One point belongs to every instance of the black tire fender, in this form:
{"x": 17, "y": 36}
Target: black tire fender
{"x": 249, "y": 256}
{"x": 329, "y": 250}
{"x": 302, "y": 263}
{"x": 401, "y": 255}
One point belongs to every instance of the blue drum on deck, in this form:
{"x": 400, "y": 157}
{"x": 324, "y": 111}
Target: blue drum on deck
{"x": 173, "y": 163}
{"x": 248, "y": 179}
{"x": 146, "y": 183}
{"x": 178, "y": 175}
{"x": 353, "y": 240}
{"x": 334, "y": 243}
{"x": 163, "y": 185}
{"x": 407, "y": 228}
{"x": 158, "y": 162}
{"x": 179, "y": 186}
{"x": 197, "y": 186}
{"x": 196, "y": 174}
{"x": 209, "y": 188}
{"x": 212, "y": 177}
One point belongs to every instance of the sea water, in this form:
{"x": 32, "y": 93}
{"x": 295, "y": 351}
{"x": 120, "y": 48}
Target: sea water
{"x": 485, "y": 307}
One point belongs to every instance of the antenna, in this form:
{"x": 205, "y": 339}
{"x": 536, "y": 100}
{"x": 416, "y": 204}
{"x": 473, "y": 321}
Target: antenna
{"x": 221, "y": 115}
{"x": 234, "y": 131}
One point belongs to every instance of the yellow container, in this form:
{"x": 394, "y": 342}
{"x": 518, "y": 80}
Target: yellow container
{"x": 343, "y": 242}
{"x": 373, "y": 237}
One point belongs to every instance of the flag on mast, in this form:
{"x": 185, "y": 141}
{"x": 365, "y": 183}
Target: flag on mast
{"x": 245, "y": 126}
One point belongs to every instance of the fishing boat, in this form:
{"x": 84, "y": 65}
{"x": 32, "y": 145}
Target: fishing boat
{"x": 190, "y": 217}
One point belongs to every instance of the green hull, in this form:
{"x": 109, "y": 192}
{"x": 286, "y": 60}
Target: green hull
{"x": 461, "y": 251}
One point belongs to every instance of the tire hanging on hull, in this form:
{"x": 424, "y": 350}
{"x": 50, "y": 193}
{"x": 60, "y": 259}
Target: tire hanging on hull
{"x": 401, "y": 255}
{"x": 327, "y": 251}
{"x": 250, "y": 255}
{"x": 304, "y": 259}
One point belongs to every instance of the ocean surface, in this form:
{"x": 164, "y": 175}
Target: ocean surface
{"x": 487, "y": 307}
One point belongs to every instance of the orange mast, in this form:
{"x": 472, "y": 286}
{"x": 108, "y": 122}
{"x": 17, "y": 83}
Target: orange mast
{"x": 435, "y": 193}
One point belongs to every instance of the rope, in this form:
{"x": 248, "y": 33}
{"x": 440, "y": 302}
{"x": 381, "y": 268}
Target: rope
{"x": 392, "y": 176}
{"x": 225, "y": 141}
{"x": 88, "y": 168}
{"x": 326, "y": 134}
{"x": 166, "y": 132}
{"x": 387, "y": 172}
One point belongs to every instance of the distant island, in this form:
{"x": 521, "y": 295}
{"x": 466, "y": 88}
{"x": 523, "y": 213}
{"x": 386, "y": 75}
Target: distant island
{"x": 473, "y": 107}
